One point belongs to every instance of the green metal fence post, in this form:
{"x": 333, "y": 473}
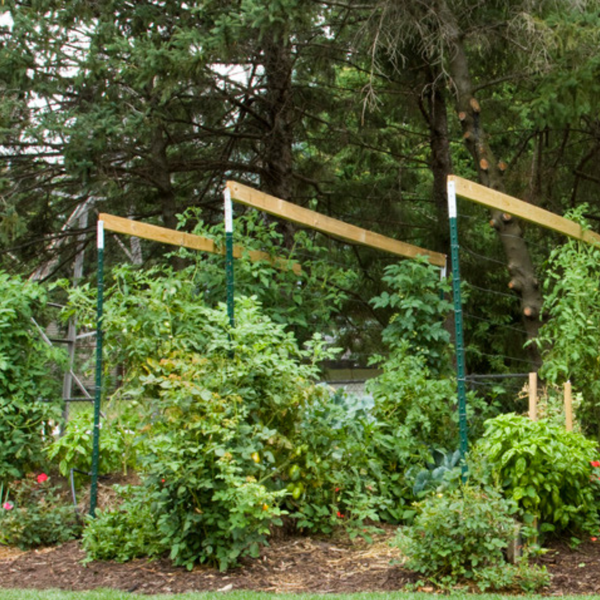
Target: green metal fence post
{"x": 98, "y": 395}
{"x": 229, "y": 255}
{"x": 458, "y": 320}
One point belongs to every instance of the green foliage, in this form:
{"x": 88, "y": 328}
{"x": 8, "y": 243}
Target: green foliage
{"x": 441, "y": 471}
{"x": 463, "y": 534}
{"x": 335, "y": 477}
{"x": 29, "y": 381}
{"x": 570, "y": 337}
{"x": 35, "y": 515}
{"x": 222, "y": 407}
{"x": 73, "y": 449}
{"x": 125, "y": 533}
{"x": 545, "y": 470}
{"x": 414, "y": 407}
{"x": 419, "y": 309}
{"x": 304, "y": 301}
{"x": 414, "y": 394}
{"x": 569, "y": 91}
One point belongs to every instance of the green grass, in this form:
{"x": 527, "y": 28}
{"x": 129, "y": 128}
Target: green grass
{"x": 116, "y": 595}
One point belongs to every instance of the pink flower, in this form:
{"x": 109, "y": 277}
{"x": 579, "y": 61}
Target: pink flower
{"x": 8, "y": 506}
{"x": 42, "y": 477}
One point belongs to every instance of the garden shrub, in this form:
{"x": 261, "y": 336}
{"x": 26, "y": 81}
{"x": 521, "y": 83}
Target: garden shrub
{"x": 570, "y": 335}
{"x": 35, "y": 515}
{"x": 125, "y": 533}
{"x": 335, "y": 478}
{"x": 223, "y": 408}
{"x": 463, "y": 534}
{"x": 415, "y": 396}
{"x": 545, "y": 470}
{"x": 118, "y": 451}
{"x": 29, "y": 385}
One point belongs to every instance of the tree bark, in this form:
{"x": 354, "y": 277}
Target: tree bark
{"x": 520, "y": 265}
{"x": 164, "y": 185}
{"x": 436, "y": 116}
{"x": 277, "y": 156}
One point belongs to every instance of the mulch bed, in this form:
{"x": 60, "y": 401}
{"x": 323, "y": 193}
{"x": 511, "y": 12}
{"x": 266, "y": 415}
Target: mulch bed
{"x": 298, "y": 564}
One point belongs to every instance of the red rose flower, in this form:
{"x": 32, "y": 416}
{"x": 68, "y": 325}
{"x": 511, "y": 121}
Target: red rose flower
{"x": 42, "y": 477}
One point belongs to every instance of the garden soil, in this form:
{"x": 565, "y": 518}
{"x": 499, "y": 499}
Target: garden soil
{"x": 295, "y": 564}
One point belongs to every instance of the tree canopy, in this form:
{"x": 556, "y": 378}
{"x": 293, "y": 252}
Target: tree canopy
{"x": 356, "y": 109}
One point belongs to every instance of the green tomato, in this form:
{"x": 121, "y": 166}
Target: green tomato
{"x": 294, "y": 472}
{"x": 298, "y": 489}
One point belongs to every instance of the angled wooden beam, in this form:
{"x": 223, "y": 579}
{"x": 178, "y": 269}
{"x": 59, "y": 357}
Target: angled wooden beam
{"x": 314, "y": 220}
{"x": 517, "y": 208}
{"x": 188, "y": 240}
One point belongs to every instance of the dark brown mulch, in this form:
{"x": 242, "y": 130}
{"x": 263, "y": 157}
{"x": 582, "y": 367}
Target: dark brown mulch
{"x": 573, "y": 570}
{"x": 296, "y": 564}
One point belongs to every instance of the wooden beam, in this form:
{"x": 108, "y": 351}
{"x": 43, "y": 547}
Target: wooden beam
{"x": 188, "y": 240}
{"x": 528, "y": 212}
{"x": 314, "y": 220}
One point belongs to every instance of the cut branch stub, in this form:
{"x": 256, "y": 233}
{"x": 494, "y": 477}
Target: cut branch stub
{"x": 495, "y": 223}
{"x": 462, "y": 115}
{"x": 484, "y": 164}
{"x": 515, "y": 285}
{"x": 530, "y": 312}
{"x": 506, "y": 217}
{"x": 475, "y": 105}
{"x": 502, "y": 166}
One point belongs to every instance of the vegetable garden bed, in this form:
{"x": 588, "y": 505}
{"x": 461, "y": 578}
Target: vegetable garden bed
{"x": 296, "y": 564}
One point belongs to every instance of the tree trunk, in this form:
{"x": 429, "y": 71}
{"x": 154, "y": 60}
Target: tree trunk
{"x": 164, "y": 186}
{"x": 520, "y": 265}
{"x": 277, "y": 156}
{"x": 441, "y": 159}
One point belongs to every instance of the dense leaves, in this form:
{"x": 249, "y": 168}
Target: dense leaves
{"x": 546, "y": 470}
{"x": 29, "y": 379}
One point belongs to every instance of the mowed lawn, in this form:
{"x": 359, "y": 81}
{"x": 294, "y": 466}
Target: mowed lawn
{"x": 118, "y": 595}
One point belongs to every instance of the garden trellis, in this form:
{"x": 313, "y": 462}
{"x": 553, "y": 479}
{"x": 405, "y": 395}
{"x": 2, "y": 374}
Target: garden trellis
{"x": 509, "y": 207}
{"x": 250, "y": 197}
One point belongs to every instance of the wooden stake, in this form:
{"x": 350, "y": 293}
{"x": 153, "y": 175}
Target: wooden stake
{"x": 568, "y": 407}
{"x": 533, "y": 396}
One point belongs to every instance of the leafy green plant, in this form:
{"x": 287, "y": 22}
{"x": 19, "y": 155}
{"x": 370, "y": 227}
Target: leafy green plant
{"x": 415, "y": 396}
{"x": 29, "y": 392}
{"x": 418, "y": 311}
{"x": 125, "y": 533}
{"x": 463, "y": 534}
{"x": 442, "y": 469}
{"x": 570, "y": 336}
{"x": 304, "y": 296}
{"x": 118, "y": 451}
{"x": 35, "y": 515}
{"x": 335, "y": 479}
{"x": 222, "y": 411}
{"x": 545, "y": 470}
